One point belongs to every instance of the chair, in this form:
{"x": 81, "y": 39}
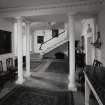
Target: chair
{"x": 1, "y": 67}
{"x": 11, "y": 68}
{"x": 97, "y": 63}
{"x": 4, "y": 76}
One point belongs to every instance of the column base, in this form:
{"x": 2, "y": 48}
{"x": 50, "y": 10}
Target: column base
{"x": 27, "y": 74}
{"x": 20, "y": 81}
{"x": 72, "y": 87}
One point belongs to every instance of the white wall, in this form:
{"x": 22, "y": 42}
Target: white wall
{"x": 47, "y": 35}
{"x": 101, "y": 28}
{"x": 7, "y": 26}
{"x": 78, "y": 29}
{"x": 88, "y": 40}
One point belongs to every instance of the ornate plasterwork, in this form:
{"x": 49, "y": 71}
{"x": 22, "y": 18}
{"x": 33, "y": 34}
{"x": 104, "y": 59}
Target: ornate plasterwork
{"x": 67, "y": 8}
{"x": 58, "y": 6}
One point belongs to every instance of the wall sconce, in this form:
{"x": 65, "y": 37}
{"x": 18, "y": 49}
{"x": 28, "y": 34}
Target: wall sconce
{"x": 98, "y": 42}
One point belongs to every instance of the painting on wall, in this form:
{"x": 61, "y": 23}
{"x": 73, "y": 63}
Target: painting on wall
{"x": 55, "y": 33}
{"x": 5, "y": 42}
{"x": 40, "y": 39}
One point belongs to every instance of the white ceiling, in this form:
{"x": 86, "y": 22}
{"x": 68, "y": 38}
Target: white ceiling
{"x": 12, "y": 4}
{"x": 58, "y": 18}
{"x": 46, "y": 25}
{"x": 24, "y": 3}
{"x": 48, "y": 18}
{"x": 44, "y": 22}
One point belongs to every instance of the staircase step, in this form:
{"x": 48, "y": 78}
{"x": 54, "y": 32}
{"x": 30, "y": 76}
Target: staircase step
{"x": 35, "y": 57}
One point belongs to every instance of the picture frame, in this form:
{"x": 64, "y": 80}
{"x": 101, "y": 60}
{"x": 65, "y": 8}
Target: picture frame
{"x": 55, "y": 33}
{"x": 40, "y": 39}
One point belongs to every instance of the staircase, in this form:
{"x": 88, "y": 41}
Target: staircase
{"x": 35, "y": 57}
{"x": 49, "y": 45}
{"x": 61, "y": 48}
{"x": 53, "y": 43}
{"x": 49, "y": 49}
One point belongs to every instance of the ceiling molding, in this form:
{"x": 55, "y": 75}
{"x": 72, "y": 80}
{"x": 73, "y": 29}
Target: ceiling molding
{"x": 67, "y": 5}
{"x": 74, "y": 7}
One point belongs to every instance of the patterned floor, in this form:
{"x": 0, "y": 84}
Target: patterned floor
{"x": 51, "y": 81}
{"x": 22, "y": 95}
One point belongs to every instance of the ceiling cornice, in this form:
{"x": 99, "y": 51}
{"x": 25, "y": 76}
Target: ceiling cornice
{"x": 72, "y": 8}
{"x": 58, "y": 6}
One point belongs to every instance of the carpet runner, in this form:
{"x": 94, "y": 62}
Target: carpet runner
{"x": 22, "y": 95}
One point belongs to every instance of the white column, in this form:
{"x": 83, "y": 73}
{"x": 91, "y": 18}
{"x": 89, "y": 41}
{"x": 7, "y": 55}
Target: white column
{"x": 71, "y": 85}
{"x": 20, "y": 79}
{"x": 15, "y": 41}
{"x": 27, "y": 49}
{"x": 32, "y": 43}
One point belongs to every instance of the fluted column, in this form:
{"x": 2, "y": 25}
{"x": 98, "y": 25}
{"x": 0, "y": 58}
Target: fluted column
{"x": 27, "y": 49}
{"x": 32, "y": 43}
{"x": 20, "y": 79}
{"x": 71, "y": 85}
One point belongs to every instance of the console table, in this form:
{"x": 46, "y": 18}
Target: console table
{"x": 89, "y": 87}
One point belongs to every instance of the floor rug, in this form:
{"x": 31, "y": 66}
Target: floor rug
{"x": 58, "y": 67}
{"x": 22, "y": 95}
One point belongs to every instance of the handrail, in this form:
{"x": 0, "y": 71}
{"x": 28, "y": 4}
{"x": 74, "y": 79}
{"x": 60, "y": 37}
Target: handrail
{"x": 49, "y": 40}
{"x": 55, "y": 45}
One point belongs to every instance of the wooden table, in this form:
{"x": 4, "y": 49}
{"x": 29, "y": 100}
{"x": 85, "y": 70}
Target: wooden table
{"x": 89, "y": 87}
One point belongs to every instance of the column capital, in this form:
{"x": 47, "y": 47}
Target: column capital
{"x": 27, "y": 22}
{"x": 19, "y": 18}
{"x": 71, "y": 14}
{"x": 71, "y": 17}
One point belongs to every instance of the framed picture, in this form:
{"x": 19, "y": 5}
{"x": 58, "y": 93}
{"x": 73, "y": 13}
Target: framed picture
{"x": 5, "y": 42}
{"x": 55, "y": 33}
{"x": 40, "y": 39}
